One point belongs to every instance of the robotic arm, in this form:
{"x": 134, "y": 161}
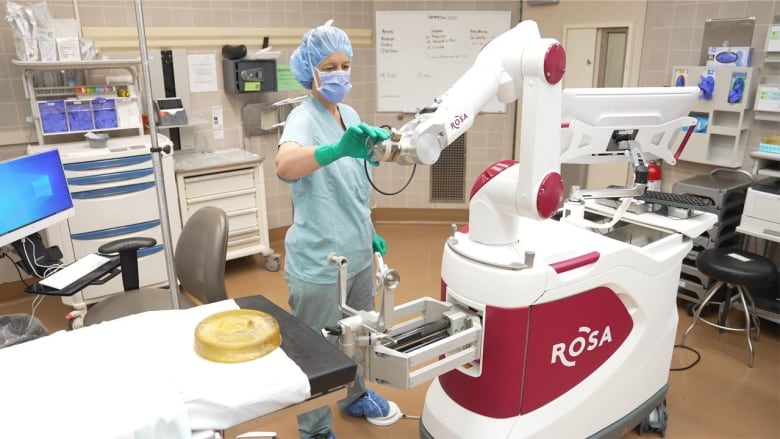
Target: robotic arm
{"x": 501, "y": 70}
{"x": 517, "y": 63}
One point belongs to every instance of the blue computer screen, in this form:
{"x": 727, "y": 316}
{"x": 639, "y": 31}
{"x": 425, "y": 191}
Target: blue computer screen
{"x": 32, "y": 188}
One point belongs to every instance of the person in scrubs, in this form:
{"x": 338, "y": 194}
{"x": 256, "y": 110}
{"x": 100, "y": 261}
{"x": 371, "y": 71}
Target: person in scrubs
{"x": 322, "y": 154}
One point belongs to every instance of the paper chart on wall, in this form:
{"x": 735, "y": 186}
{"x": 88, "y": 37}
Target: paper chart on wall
{"x": 419, "y": 54}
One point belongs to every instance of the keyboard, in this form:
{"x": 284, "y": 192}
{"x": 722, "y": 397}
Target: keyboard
{"x": 677, "y": 200}
{"x": 73, "y": 272}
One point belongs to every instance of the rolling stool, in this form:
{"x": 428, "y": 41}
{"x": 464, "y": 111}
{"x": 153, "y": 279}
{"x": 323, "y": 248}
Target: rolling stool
{"x": 738, "y": 269}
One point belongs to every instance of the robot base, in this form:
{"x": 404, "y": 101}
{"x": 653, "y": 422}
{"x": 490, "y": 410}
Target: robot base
{"x": 651, "y": 415}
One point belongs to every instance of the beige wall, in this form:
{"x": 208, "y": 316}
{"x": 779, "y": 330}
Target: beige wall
{"x": 674, "y": 33}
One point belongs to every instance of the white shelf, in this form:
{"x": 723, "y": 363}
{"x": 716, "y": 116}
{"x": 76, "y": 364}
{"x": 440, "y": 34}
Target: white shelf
{"x": 76, "y": 65}
{"x": 766, "y": 163}
{"x": 37, "y": 94}
{"x": 92, "y": 130}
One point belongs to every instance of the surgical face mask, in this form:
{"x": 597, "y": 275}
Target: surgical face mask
{"x": 334, "y": 86}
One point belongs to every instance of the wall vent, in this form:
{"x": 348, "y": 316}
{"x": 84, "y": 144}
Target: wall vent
{"x": 448, "y": 174}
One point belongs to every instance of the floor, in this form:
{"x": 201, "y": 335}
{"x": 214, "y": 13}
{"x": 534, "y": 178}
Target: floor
{"x": 720, "y": 397}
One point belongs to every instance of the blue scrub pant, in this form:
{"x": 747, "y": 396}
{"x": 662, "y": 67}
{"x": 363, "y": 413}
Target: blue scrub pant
{"x": 315, "y": 305}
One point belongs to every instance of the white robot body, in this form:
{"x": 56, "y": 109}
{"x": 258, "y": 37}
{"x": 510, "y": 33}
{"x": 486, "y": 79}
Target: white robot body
{"x": 569, "y": 346}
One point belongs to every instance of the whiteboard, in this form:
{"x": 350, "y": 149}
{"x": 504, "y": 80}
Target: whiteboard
{"x": 420, "y": 54}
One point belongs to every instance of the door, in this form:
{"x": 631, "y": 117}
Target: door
{"x": 580, "y": 47}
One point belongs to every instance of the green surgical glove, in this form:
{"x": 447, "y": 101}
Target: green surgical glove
{"x": 379, "y": 245}
{"x": 352, "y": 144}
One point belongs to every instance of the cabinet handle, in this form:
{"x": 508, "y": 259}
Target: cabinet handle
{"x": 116, "y": 231}
{"x": 99, "y": 193}
{"x": 219, "y": 196}
{"x": 107, "y": 163}
{"x": 217, "y": 176}
{"x": 106, "y": 178}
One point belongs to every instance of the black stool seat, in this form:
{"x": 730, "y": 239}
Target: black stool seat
{"x": 736, "y": 267}
{"x": 736, "y": 270}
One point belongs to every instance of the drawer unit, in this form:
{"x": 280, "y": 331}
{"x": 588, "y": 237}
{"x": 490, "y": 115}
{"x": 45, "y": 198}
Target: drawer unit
{"x": 114, "y": 193}
{"x": 233, "y": 181}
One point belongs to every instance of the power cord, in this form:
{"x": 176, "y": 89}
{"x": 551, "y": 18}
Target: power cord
{"x": 369, "y": 147}
{"x": 16, "y": 266}
{"x": 33, "y": 263}
{"x": 695, "y": 362}
{"x": 368, "y": 176}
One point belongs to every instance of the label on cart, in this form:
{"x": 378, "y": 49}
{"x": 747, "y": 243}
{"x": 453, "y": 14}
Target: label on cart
{"x": 568, "y": 340}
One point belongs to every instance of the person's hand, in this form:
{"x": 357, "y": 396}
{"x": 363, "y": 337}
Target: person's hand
{"x": 379, "y": 245}
{"x": 352, "y": 144}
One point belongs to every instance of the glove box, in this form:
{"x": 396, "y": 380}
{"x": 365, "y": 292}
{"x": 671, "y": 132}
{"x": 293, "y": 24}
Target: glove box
{"x": 249, "y": 76}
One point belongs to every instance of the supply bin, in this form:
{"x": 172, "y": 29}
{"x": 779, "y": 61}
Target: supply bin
{"x": 79, "y": 115}
{"x": 53, "y": 119}
{"x": 104, "y": 111}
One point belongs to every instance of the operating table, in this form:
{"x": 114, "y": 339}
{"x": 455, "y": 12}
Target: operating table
{"x": 139, "y": 376}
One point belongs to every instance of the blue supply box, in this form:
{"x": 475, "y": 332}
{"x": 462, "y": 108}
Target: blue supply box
{"x": 104, "y": 111}
{"x": 730, "y": 56}
{"x": 53, "y": 118}
{"x": 80, "y": 117}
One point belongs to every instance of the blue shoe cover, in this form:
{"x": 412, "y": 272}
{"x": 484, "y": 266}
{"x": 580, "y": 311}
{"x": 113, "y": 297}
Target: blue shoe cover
{"x": 370, "y": 405}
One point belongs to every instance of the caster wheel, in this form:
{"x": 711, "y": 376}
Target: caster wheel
{"x": 272, "y": 262}
{"x": 690, "y": 309}
{"x": 75, "y": 323}
{"x": 656, "y": 421}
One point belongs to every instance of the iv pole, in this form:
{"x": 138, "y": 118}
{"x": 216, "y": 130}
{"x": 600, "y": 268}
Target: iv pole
{"x": 162, "y": 202}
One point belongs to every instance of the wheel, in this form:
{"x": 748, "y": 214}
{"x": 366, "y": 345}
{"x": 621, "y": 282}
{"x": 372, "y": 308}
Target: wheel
{"x": 690, "y": 309}
{"x": 75, "y": 323}
{"x": 272, "y": 262}
{"x": 656, "y": 421}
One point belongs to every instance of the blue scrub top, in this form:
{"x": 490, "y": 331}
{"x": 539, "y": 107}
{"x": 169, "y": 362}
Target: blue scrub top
{"x": 331, "y": 211}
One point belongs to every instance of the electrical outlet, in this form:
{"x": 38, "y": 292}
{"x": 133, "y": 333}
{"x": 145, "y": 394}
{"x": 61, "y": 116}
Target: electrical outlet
{"x": 28, "y": 119}
{"x": 217, "y": 118}
{"x": 217, "y": 122}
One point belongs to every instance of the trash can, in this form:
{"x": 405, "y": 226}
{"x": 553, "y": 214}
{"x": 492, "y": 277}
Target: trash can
{"x": 19, "y": 328}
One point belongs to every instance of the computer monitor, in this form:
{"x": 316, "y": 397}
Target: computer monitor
{"x": 34, "y": 195}
{"x": 592, "y": 118}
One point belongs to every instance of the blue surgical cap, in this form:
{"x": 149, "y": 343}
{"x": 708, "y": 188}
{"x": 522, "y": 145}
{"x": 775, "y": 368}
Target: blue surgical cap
{"x": 316, "y": 45}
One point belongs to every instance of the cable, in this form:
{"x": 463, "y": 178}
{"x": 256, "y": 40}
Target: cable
{"x": 695, "y": 362}
{"x": 21, "y": 277}
{"x": 32, "y": 262}
{"x": 368, "y": 176}
{"x": 369, "y": 147}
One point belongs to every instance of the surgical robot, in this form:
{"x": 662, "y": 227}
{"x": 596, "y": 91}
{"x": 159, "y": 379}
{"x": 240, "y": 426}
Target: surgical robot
{"x": 545, "y": 327}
